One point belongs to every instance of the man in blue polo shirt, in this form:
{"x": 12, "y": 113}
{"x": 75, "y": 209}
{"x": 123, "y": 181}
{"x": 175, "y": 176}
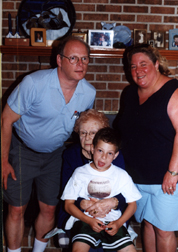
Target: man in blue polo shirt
{"x": 38, "y": 118}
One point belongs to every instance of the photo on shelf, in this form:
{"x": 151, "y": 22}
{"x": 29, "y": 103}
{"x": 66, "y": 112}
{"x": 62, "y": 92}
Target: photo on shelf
{"x": 140, "y": 36}
{"x": 159, "y": 39}
{"x": 38, "y": 36}
{"x": 82, "y": 36}
{"x": 101, "y": 38}
{"x": 173, "y": 39}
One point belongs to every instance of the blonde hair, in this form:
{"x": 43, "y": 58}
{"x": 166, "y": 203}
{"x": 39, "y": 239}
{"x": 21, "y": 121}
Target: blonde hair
{"x": 91, "y": 114}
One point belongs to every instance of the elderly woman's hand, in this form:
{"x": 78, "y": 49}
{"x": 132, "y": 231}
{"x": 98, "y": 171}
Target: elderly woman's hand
{"x": 99, "y": 208}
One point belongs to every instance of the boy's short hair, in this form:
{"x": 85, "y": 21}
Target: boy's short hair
{"x": 108, "y": 135}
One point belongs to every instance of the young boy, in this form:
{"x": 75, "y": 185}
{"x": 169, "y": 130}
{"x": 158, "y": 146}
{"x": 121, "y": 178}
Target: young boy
{"x": 100, "y": 179}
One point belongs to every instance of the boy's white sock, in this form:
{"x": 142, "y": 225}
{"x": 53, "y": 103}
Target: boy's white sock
{"x": 14, "y": 250}
{"x": 39, "y": 246}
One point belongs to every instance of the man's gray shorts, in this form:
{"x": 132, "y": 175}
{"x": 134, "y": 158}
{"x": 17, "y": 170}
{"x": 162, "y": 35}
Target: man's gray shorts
{"x": 29, "y": 166}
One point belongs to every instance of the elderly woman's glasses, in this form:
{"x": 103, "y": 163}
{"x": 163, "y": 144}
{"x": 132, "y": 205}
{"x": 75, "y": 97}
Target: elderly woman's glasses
{"x": 74, "y": 59}
{"x": 83, "y": 133}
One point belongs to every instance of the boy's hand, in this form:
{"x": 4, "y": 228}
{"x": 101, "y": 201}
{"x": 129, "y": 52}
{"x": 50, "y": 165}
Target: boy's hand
{"x": 112, "y": 228}
{"x": 96, "y": 225}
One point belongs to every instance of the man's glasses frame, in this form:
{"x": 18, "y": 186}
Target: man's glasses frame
{"x": 74, "y": 59}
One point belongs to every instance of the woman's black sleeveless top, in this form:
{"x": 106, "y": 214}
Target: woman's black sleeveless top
{"x": 147, "y": 134}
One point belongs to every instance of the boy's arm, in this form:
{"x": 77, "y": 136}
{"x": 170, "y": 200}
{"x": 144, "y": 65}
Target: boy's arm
{"x": 113, "y": 227}
{"x": 95, "y": 224}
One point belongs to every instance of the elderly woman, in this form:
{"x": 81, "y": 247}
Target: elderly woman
{"x": 79, "y": 154}
{"x": 148, "y": 123}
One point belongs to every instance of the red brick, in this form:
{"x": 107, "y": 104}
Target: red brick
{"x": 121, "y": 17}
{"x": 172, "y": 2}
{"x": 115, "y": 105}
{"x": 160, "y": 27}
{"x": 150, "y": 2}
{"x": 89, "y": 77}
{"x": 99, "y": 85}
{"x": 149, "y": 18}
{"x": 12, "y": 67}
{"x": 34, "y": 67}
{"x": 170, "y": 19}
{"x": 99, "y": 104}
{"x": 86, "y": 25}
{"x": 23, "y": 58}
{"x": 108, "y": 94}
{"x": 116, "y": 86}
{"x": 123, "y": 1}
{"x": 108, "y": 8}
{"x": 136, "y": 9}
{"x": 107, "y": 61}
{"x": 162, "y": 10}
{"x": 94, "y": 17}
{"x": 94, "y": 1}
{"x": 107, "y": 105}
{"x": 84, "y": 7}
{"x": 116, "y": 69}
{"x": 108, "y": 77}
{"x": 7, "y": 5}
{"x": 93, "y": 68}
{"x": 8, "y": 58}
{"x": 7, "y": 75}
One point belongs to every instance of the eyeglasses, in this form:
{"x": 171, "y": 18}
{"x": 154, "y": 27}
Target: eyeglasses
{"x": 74, "y": 59}
{"x": 83, "y": 133}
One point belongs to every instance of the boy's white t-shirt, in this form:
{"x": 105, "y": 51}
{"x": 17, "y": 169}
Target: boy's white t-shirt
{"x": 87, "y": 182}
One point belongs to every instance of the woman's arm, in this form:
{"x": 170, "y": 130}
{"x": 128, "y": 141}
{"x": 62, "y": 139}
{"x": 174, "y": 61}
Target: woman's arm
{"x": 99, "y": 208}
{"x": 170, "y": 181}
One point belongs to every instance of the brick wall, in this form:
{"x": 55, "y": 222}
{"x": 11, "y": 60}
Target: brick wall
{"x": 105, "y": 74}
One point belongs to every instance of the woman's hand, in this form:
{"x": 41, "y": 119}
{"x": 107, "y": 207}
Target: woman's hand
{"x": 100, "y": 208}
{"x": 169, "y": 183}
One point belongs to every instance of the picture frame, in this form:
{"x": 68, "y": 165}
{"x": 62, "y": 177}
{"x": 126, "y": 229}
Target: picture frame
{"x": 159, "y": 39}
{"x": 173, "y": 39}
{"x": 140, "y": 36}
{"x": 151, "y": 42}
{"x": 82, "y": 36}
{"x": 101, "y": 38}
{"x": 38, "y": 36}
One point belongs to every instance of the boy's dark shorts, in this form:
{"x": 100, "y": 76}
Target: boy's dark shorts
{"x": 82, "y": 232}
{"x": 29, "y": 166}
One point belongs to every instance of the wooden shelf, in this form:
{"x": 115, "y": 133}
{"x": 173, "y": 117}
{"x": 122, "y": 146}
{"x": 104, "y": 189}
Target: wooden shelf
{"x": 95, "y": 53}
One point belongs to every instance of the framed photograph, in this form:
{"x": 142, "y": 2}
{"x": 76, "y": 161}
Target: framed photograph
{"x": 151, "y": 42}
{"x": 159, "y": 39}
{"x": 173, "y": 39}
{"x": 80, "y": 35}
{"x": 38, "y": 36}
{"x": 140, "y": 36}
{"x": 101, "y": 38}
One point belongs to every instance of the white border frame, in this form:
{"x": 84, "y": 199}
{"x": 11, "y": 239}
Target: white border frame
{"x": 97, "y": 33}
{"x": 172, "y": 33}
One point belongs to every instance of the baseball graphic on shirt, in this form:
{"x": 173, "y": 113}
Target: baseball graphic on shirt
{"x": 99, "y": 187}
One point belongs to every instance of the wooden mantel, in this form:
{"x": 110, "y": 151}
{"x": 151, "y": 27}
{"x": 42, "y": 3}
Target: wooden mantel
{"x": 95, "y": 53}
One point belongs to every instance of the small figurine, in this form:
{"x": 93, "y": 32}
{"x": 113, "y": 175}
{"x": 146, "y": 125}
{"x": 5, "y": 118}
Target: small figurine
{"x": 9, "y": 35}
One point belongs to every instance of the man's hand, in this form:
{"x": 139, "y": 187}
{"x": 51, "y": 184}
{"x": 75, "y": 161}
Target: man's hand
{"x": 6, "y": 170}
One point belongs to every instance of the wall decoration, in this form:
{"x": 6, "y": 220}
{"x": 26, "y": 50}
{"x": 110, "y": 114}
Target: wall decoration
{"x": 159, "y": 39}
{"x": 122, "y": 34}
{"x": 140, "y": 36}
{"x": 151, "y": 42}
{"x": 80, "y": 35}
{"x": 38, "y": 36}
{"x": 101, "y": 38}
{"x": 173, "y": 39}
{"x": 56, "y": 16}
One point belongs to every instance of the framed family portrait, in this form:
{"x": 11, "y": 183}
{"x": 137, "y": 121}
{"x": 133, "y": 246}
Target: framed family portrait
{"x": 82, "y": 36}
{"x": 140, "y": 36}
{"x": 173, "y": 39}
{"x": 159, "y": 39}
{"x": 38, "y": 36}
{"x": 101, "y": 38}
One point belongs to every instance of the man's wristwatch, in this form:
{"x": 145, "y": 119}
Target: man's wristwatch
{"x": 173, "y": 173}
